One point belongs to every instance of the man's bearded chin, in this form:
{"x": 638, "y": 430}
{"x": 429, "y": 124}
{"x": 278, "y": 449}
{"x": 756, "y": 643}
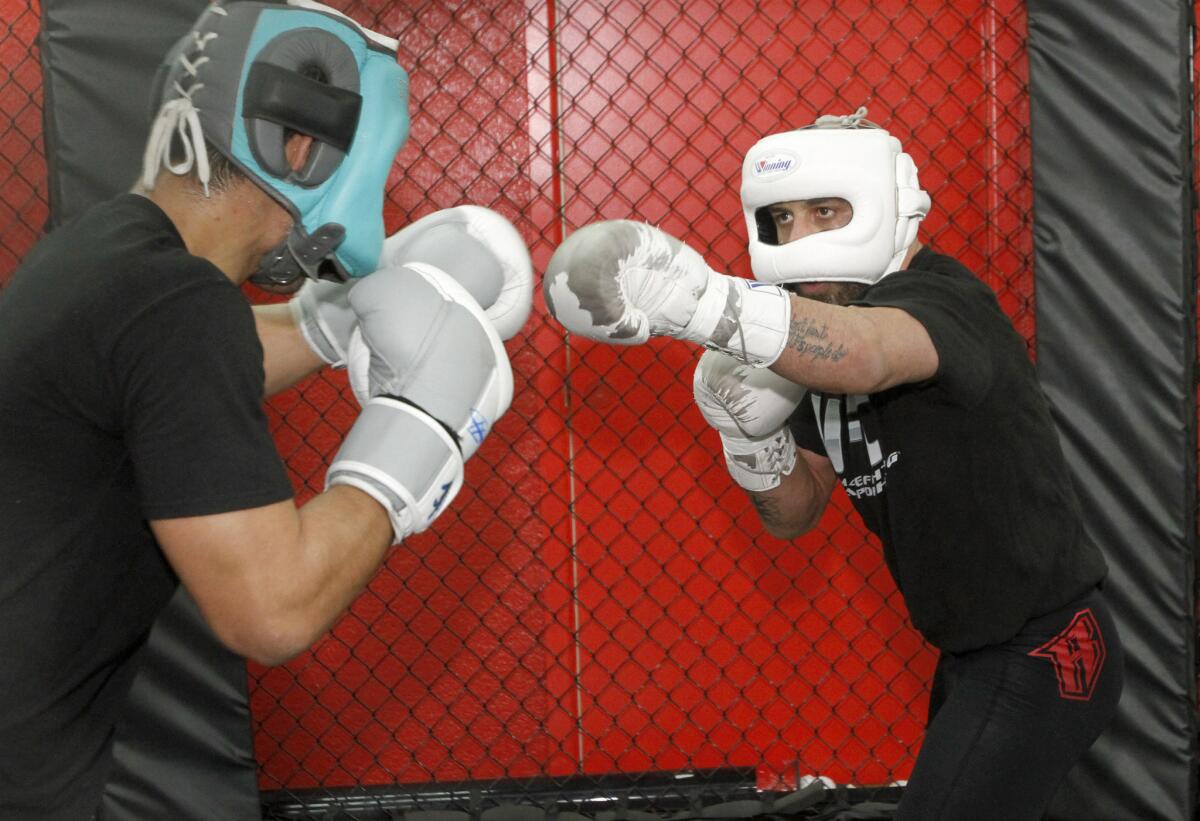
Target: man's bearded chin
{"x": 831, "y": 293}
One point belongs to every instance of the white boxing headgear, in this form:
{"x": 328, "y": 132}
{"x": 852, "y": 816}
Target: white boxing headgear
{"x": 843, "y": 157}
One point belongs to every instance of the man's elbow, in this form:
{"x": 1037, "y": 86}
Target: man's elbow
{"x": 781, "y": 520}
{"x": 787, "y": 530}
{"x": 880, "y": 362}
{"x": 274, "y": 653}
{"x": 867, "y": 372}
{"x": 270, "y": 639}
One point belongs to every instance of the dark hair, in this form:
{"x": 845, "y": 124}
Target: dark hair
{"x": 222, "y": 171}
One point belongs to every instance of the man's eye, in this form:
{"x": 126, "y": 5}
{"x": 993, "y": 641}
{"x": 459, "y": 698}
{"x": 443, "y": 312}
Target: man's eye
{"x": 783, "y": 217}
{"x": 825, "y": 212}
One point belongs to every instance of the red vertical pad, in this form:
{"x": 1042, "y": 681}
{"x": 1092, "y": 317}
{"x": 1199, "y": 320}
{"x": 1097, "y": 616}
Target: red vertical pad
{"x": 24, "y": 206}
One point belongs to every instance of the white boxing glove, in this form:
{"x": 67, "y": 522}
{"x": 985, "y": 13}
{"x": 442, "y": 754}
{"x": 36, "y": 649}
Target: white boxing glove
{"x": 477, "y": 246}
{"x": 623, "y": 282}
{"x": 480, "y": 249}
{"x": 749, "y": 407}
{"x": 437, "y": 379}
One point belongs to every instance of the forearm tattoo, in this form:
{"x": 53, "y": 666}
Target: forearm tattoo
{"x": 807, "y": 337}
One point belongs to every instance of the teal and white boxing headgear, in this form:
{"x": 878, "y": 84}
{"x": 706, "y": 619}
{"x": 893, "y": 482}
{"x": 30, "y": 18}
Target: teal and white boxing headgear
{"x": 845, "y": 157}
{"x": 249, "y": 71}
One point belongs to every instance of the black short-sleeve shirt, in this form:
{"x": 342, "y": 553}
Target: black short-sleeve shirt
{"x": 962, "y": 477}
{"x": 131, "y": 384}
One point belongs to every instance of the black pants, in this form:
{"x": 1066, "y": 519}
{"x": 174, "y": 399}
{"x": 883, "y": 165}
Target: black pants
{"x": 1007, "y": 722}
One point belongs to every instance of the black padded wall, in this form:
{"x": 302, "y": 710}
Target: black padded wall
{"x": 98, "y": 60}
{"x": 1115, "y": 276}
{"x": 184, "y": 749}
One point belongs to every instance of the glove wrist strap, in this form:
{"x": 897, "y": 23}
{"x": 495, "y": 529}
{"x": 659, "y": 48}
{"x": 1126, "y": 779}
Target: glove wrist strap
{"x": 404, "y": 459}
{"x": 744, "y": 318}
{"x": 309, "y": 308}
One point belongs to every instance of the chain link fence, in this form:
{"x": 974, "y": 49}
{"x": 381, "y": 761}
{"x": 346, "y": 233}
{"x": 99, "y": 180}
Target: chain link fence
{"x": 601, "y": 603}
{"x": 602, "y": 600}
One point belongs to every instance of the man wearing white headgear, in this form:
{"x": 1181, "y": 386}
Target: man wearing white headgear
{"x": 858, "y": 356}
{"x": 875, "y": 182}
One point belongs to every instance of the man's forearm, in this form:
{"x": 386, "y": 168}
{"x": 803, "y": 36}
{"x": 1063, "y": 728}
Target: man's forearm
{"x": 270, "y": 580}
{"x": 829, "y": 348}
{"x": 287, "y": 357}
{"x": 859, "y": 350}
{"x": 796, "y": 505}
{"x": 344, "y": 536}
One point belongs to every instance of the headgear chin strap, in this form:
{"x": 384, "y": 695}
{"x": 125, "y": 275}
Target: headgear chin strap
{"x": 246, "y": 74}
{"x": 845, "y": 157}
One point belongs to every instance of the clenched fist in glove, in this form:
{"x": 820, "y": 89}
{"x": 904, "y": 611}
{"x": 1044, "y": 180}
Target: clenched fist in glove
{"x": 623, "y": 282}
{"x": 436, "y": 378}
{"x": 749, "y": 407}
{"x": 476, "y": 246}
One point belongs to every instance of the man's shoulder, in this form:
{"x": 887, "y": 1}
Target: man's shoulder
{"x": 118, "y": 267}
{"x": 116, "y": 221}
{"x": 931, "y": 261}
{"x": 134, "y": 233}
{"x": 126, "y": 241}
{"x": 928, "y": 274}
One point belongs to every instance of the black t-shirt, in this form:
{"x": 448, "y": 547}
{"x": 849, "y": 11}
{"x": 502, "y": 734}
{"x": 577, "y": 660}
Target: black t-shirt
{"x": 131, "y": 385}
{"x": 962, "y": 477}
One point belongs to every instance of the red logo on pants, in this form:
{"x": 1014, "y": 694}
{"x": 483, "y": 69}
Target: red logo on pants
{"x": 1078, "y": 656}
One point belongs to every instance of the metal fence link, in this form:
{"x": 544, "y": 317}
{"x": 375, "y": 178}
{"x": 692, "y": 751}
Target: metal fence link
{"x": 601, "y": 600}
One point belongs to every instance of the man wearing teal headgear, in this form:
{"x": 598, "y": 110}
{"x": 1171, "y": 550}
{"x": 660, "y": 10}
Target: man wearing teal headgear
{"x": 134, "y": 451}
{"x": 250, "y": 74}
